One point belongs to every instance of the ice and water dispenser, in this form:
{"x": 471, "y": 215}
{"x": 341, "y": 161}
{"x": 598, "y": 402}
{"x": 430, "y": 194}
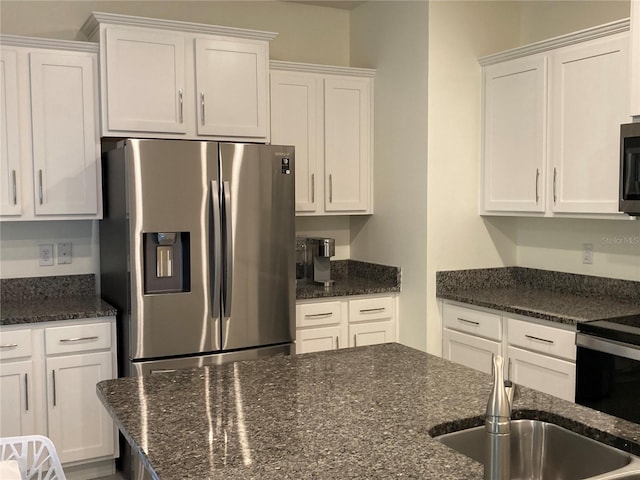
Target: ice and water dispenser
{"x": 166, "y": 262}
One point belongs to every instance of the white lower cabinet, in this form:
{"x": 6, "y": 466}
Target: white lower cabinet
{"x": 541, "y": 372}
{"x": 538, "y": 354}
{"x": 48, "y": 377}
{"x": 471, "y": 337}
{"x": 329, "y": 325}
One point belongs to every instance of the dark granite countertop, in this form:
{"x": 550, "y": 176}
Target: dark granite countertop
{"x": 355, "y": 413}
{"x": 353, "y": 277}
{"x": 49, "y": 299}
{"x": 54, "y": 309}
{"x": 554, "y": 296}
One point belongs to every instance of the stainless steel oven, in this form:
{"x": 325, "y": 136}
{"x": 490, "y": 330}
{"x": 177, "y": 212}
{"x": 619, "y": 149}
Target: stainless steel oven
{"x": 608, "y": 366}
{"x": 629, "y": 201}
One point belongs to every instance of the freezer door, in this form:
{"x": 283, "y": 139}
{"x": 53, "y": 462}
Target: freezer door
{"x": 258, "y": 296}
{"x": 173, "y": 204}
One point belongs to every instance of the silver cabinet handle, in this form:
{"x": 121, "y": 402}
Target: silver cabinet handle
{"x": 78, "y": 339}
{"x": 372, "y": 310}
{"x": 537, "y": 181}
{"x": 313, "y": 188}
{"x": 318, "y": 315}
{"x": 163, "y": 370}
{"x": 26, "y": 392}
{"x": 337, "y": 343}
{"x": 355, "y": 340}
{"x": 531, "y": 337}
{"x": 202, "y": 107}
{"x": 555, "y": 177}
{"x": 40, "y": 193}
{"x": 330, "y": 188}
{"x": 9, "y": 345}
{"x": 53, "y": 376}
{"x": 509, "y": 370}
{"x": 14, "y": 184}
{"x": 180, "y": 105}
{"x": 470, "y": 322}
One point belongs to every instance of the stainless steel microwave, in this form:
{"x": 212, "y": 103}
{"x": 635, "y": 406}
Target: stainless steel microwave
{"x": 630, "y": 169}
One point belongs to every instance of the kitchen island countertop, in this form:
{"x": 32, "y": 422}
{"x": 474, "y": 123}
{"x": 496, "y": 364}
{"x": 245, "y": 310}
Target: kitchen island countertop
{"x": 356, "y": 413}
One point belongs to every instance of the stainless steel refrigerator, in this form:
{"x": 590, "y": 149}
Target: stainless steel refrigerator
{"x": 197, "y": 251}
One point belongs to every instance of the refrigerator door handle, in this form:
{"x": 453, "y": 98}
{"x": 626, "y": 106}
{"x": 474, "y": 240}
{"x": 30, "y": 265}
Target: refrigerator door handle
{"x": 228, "y": 265}
{"x": 216, "y": 247}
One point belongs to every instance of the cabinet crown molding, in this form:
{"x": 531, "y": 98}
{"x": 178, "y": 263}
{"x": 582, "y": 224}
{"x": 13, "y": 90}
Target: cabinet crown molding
{"x": 36, "y": 42}
{"x": 324, "y": 69}
{"x": 92, "y": 25}
{"x": 619, "y": 26}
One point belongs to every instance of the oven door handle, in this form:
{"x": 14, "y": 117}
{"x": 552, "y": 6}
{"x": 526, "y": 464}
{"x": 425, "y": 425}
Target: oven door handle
{"x": 612, "y": 347}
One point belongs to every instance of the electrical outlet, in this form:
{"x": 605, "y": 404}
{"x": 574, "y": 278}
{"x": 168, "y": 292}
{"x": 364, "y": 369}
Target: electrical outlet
{"x": 45, "y": 255}
{"x": 587, "y": 253}
{"x": 64, "y": 253}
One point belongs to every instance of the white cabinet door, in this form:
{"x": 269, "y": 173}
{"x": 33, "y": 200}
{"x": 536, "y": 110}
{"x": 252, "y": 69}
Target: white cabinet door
{"x": 10, "y": 201}
{"x": 347, "y": 129}
{"x": 550, "y": 375}
{"x": 589, "y": 102}
{"x": 319, "y": 339}
{"x": 371, "y": 333}
{"x": 515, "y": 95}
{"x": 145, "y": 81}
{"x": 65, "y": 134}
{"x": 468, "y": 350}
{"x": 17, "y": 415}
{"x": 296, "y": 108}
{"x": 635, "y": 59}
{"x": 231, "y": 82}
{"x": 79, "y": 425}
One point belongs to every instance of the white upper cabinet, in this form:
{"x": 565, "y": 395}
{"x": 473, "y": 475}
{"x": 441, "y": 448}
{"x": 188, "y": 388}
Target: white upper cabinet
{"x": 589, "y": 101}
{"x": 551, "y": 122}
{"x": 10, "y": 197}
{"x": 231, "y": 80}
{"x": 514, "y": 157}
{"x": 169, "y": 79}
{"x": 326, "y": 113}
{"x": 145, "y": 79}
{"x": 634, "y": 95}
{"x": 50, "y": 153}
{"x": 296, "y": 103}
{"x": 63, "y": 119}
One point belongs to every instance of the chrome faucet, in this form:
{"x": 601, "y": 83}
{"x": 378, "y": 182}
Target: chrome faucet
{"x": 497, "y": 423}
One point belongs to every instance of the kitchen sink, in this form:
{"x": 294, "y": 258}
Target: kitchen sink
{"x": 541, "y": 450}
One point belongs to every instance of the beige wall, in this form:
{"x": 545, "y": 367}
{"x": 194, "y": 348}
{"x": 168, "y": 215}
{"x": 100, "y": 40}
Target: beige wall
{"x": 556, "y": 244}
{"x": 306, "y": 33}
{"x": 309, "y": 34}
{"x": 540, "y": 20}
{"x": 392, "y": 37}
{"x": 457, "y": 237}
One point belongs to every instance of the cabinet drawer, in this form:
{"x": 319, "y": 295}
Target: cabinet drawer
{"x": 368, "y": 309}
{"x": 78, "y": 338}
{"x": 541, "y": 338}
{"x": 475, "y": 322}
{"x": 15, "y": 344}
{"x": 317, "y": 314}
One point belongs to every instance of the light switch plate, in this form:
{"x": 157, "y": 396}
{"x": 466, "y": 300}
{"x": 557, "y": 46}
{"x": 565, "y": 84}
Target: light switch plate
{"x": 64, "y": 253}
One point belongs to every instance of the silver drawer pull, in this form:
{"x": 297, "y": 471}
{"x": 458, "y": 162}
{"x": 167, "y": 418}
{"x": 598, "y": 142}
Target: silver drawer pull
{"x": 78, "y": 339}
{"x": 338, "y": 343}
{"x": 470, "y": 322}
{"x": 163, "y": 370}
{"x": 9, "y": 345}
{"x": 531, "y": 337}
{"x": 372, "y": 310}
{"x": 319, "y": 315}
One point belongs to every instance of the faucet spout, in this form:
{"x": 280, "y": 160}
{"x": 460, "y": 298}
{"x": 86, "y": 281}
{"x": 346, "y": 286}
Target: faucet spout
{"x": 498, "y": 427}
